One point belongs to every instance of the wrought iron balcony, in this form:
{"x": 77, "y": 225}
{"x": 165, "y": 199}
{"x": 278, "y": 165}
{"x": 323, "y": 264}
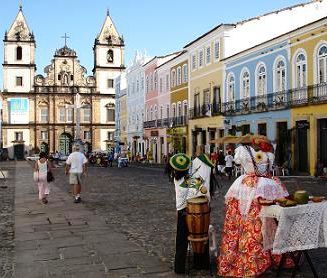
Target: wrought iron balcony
{"x": 178, "y": 121}
{"x": 150, "y": 124}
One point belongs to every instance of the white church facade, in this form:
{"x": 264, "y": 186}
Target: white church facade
{"x": 48, "y": 112}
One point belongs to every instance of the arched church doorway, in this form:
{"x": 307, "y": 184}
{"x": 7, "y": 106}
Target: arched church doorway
{"x": 65, "y": 143}
{"x": 44, "y": 147}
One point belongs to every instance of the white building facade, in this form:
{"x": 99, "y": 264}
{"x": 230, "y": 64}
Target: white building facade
{"x": 135, "y": 104}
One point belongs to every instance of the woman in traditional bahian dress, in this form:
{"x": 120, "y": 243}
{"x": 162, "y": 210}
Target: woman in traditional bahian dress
{"x": 241, "y": 250}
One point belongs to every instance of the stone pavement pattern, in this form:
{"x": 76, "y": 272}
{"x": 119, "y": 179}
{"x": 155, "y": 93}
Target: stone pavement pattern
{"x": 125, "y": 226}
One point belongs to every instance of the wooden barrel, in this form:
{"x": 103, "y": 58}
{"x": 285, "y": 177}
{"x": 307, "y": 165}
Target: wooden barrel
{"x": 197, "y": 219}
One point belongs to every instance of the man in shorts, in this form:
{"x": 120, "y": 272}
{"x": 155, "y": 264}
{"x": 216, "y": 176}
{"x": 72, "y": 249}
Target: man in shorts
{"x": 76, "y": 167}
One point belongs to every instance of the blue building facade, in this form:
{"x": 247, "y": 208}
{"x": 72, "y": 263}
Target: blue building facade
{"x": 256, "y": 94}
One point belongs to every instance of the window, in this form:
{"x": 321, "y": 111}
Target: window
{"x": 110, "y": 56}
{"x": 179, "y": 109}
{"x": 110, "y": 83}
{"x": 167, "y": 82}
{"x": 151, "y": 114}
{"x": 301, "y": 71}
{"x": 161, "y": 112}
{"x": 110, "y": 136}
{"x": 19, "y": 81}
{"x": 44, "y": 135}
{"x": 174, "y": 110}
{"x": 19, "y": 53}
{"x": 151, "y": 82}
{"x": 43, "y": 114}
{"x": 110, "y": 112}
{"x": 173, "y": 78}
{"x": 147, "y": 84}
{"x": 62, "y": 114}
{"x": 261, "y": 80}
{"x": 217, "y": 50}
{"x": 194, "y": 62}
{"x": 160, "y": 85}
{"x": 262, "y": 129}
{"x": 87, "y": 114}
{"x": 185, "y": 108}
{"x": 245, "y": 86}
{"x": 230, "y": 88}
{"x": 206, "y": 97}
{"x": 137, "y": 85}
{"x": 322, "y": 64}
{"x": 185, "y": 73}
{"x": 208, "y": 55}
{"x": 179, "y": 76}
{"x": 69, "y": 115}
{"x": 280, "y": 76}
{"x": 167, "y": 111}
{"x": 87, "y": 135}
{"x": 155, "y": 112}
{"x": 197, "y": 101}
{"x": 201, "y": 58}
{"x": 156, "y": 81}
{"x": 19, "y": 136}
{"x": 142, "y": 83}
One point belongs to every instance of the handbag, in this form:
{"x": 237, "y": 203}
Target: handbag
{"x": 50, "y": 176}
{"x": 36, "y": 176}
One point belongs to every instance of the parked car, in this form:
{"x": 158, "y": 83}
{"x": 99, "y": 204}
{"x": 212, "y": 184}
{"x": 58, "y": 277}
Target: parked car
{"x": 33, "y": 157}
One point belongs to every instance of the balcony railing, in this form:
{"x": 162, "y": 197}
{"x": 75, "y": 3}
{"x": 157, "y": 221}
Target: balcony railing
{"x": 205, "y": 110}
{"x": 150, "y": 124}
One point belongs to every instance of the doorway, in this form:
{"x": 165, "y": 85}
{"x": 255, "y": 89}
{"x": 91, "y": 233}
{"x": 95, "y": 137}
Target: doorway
{"x": 65, "y": 144}
{"x": 322, "y": 139}
{"x": 302, "y": 145}
{"x": 19, "y": 151}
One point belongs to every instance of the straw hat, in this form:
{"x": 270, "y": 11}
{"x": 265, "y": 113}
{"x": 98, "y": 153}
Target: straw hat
{"x": 180, "y": 162}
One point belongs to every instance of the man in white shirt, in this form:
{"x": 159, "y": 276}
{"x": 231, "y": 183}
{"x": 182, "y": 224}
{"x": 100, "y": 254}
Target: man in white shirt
{"x": 76, "y": 167}
{"x": 229, "y": 164}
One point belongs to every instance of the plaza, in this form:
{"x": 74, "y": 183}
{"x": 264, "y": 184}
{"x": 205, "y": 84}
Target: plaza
{"x": 124, "y": 227}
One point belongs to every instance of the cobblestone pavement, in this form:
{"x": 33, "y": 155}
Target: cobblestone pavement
{"x": 140, "y": 202}
{"x": 126, "y": 208}
{"x": 7, "y": 195}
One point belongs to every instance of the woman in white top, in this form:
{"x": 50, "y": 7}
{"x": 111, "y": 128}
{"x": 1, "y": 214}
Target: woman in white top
{"x": 41, "y": 168}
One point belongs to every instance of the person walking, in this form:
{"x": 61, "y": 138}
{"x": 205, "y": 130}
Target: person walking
{"x": 76, "y": 167}
{"x": 229, "y": 164}
{"x": 220, "y": 163}
{"x": 41, "y": 168}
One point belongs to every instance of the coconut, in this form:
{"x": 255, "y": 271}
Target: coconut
{"x": 301, "y": 197}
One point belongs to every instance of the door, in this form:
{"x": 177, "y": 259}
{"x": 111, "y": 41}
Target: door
{"x": 19, "y": 151}
{"x": 302, "y": 145}
{"x": 322, "y": 139}
{"x": 65, "y": 144}
{"x": 282, "y": 144}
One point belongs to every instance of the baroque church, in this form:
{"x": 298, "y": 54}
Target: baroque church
{"x": 48, "y": 112}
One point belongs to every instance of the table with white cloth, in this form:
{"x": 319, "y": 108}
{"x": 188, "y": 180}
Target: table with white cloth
{"x": 299, "y": 228}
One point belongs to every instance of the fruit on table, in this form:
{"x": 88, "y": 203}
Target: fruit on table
{"x": 301, "y": 197}
{"x": 290, "y": 203}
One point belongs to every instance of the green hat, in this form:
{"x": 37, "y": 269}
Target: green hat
{"x": 180, "y": 162}
{"x": 206, "y": 160}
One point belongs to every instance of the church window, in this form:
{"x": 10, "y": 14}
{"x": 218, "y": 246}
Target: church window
{"x": 110, "y": 112}
{"x": 44, "y": 135}
{"x": 87, "y": 114}
{"x": 19, "y": 81}
{"x": 110, "y": 56}
{"x": 19, "y": 53}
{"x": 110, "y": 83}
{"x": 44, "y": 114}
{"x": 69, "y": 115}
{"x": 19, "y": 136}
{"x": 62, "y": 114}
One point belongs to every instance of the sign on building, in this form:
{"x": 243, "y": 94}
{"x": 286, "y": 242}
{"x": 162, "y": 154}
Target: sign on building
{"x": 18, "y": 111}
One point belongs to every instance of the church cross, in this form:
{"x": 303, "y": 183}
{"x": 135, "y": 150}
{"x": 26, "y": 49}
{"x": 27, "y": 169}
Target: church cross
{"x": 65, "y": 37}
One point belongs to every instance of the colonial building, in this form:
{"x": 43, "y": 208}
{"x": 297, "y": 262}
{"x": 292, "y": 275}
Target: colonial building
{"x": 135, "y": 104}
{"x": 48, "y": 112}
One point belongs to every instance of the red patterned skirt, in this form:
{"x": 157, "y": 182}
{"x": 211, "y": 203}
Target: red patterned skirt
{"x": 241, "y": 249}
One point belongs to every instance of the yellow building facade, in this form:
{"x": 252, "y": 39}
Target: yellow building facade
{"x": 206, "y": 122}
{"x": 178, "y": 130}
{"x": 308, "y": 57}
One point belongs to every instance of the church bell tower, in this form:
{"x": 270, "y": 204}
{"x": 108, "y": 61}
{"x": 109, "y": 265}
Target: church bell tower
{"x": 108, "y": 57}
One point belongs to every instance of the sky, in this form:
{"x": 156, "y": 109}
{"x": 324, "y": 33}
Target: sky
{"x": 157, "y": 27}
